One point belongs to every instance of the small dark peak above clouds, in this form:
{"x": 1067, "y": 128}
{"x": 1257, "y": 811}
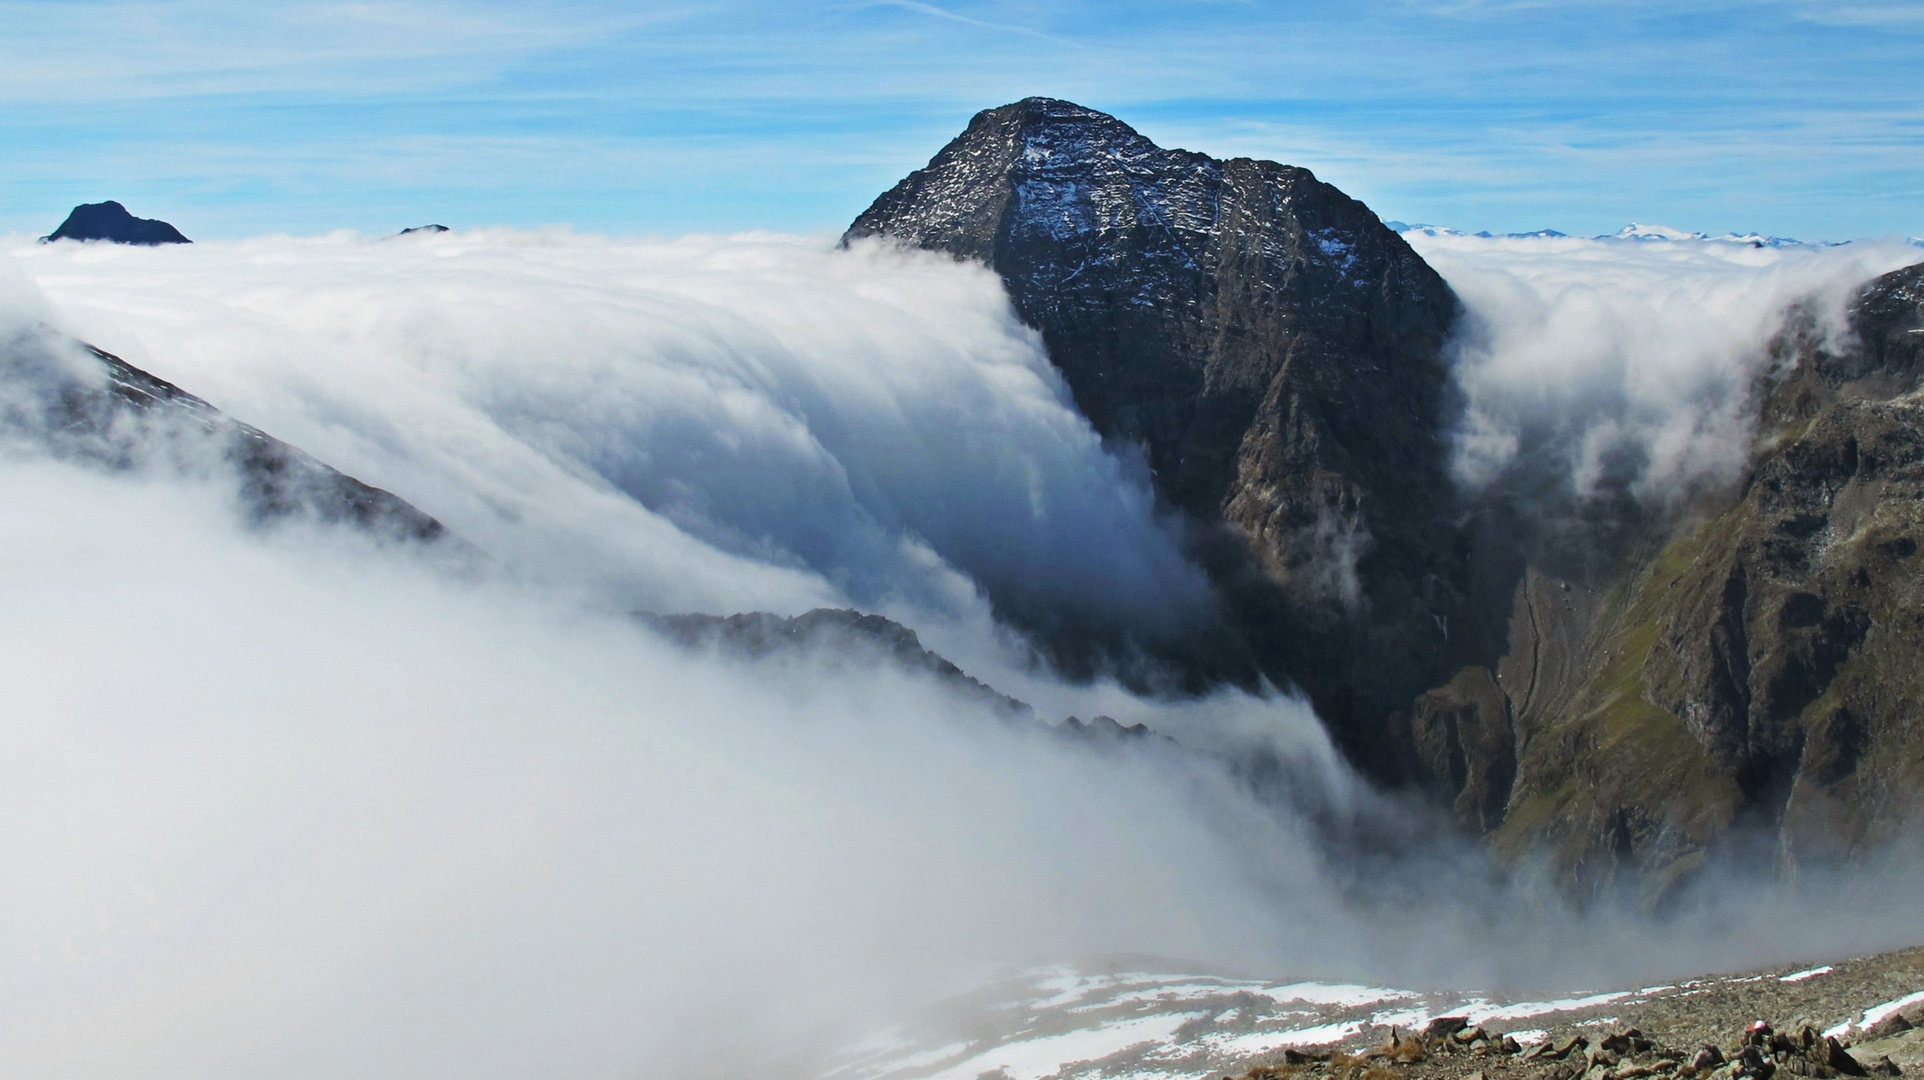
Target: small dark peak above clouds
{"x": 110, "y": 221}
{"x": 424, "y": 229}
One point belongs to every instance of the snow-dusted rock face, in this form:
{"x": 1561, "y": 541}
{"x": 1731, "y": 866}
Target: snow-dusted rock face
{"x": 1272, "y": 346}
{"x": 1173, "y": 288}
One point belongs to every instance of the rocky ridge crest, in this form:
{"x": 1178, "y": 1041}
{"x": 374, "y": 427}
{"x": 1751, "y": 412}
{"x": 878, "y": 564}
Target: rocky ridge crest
{"x": 85, "y": 404}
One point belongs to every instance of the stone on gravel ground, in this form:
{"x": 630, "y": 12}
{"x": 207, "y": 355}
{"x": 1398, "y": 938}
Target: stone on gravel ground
{"x": 1450, "y": 1048}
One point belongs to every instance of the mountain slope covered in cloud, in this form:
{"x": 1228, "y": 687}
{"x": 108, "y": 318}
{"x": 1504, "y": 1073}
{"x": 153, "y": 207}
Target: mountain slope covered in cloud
{"x": 1760, "y": 668}
{"x": 82, "y": 403}
{"x": 1427, "y": 534}
{"x": 300, "y": 801}
{"x": 699, "y": 425}
{"x": 1710, "y": 639}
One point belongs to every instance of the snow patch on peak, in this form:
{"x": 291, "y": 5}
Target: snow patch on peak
{"x": 1332, "y": 243}
{"x": 1444, "y": 230}
{"x": 1638, "y": 231}
{"x": 1635, "y": 231}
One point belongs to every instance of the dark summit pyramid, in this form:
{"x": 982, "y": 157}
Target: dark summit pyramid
{"x": 111, "y": 221}
{"x": 1273, "y": 347}
{"x": 1173, "y": 289}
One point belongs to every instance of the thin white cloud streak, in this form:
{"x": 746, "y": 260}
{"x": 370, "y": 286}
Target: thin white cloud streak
{"x": 1880, "y": 15}
{"x": 1575, "y": 351}
{"x": 185, "y": 49}
{"x": 1577, "y": 120}
{"x": 935, "y": 12}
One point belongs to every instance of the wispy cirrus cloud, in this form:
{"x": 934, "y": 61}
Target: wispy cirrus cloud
{"x": 1587, "y": 108}
{"x": 1886, "y": 15}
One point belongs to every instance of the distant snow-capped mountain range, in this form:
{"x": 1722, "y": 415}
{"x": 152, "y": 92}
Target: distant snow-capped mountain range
{"x": 1634, "y": 231}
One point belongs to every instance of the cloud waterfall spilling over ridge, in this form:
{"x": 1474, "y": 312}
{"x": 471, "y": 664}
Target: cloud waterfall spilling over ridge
{"x": 711, "y": 424}
{"x": 1621, "y": 365}
{"x": 295, "y": 802}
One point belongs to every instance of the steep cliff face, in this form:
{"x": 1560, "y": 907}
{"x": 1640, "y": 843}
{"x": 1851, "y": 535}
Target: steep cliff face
{"x": 1755, "y": 686}
{"x": 1271, "y": 346}
{"x": 1636, "y": 694}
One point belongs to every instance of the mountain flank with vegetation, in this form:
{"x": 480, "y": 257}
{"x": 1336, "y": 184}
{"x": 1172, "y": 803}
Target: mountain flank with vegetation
{"x": 1637, "y": 692}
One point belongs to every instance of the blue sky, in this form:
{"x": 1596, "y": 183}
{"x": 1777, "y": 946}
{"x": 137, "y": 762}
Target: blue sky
{"x": 1795, "y": 118}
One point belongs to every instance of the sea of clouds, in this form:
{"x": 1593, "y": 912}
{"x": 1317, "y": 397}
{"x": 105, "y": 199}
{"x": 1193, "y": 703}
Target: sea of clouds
{"x": 706, "y": 424}
{"x": 289, "y": 801}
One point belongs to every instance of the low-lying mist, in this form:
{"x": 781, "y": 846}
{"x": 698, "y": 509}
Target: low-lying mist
{"x": 285, "y": 800}
{"x": 290, "y": 804}
{"x": 1625, "y": 365}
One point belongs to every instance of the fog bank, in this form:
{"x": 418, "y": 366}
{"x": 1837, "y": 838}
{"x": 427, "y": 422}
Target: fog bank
{"x": 1610, "y": 365}
{"x": 289, "y": 801}
{"x": 705, "y": 424}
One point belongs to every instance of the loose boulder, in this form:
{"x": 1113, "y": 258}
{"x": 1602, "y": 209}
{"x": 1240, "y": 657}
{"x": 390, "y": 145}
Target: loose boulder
{"x": 1830, "y": 1053}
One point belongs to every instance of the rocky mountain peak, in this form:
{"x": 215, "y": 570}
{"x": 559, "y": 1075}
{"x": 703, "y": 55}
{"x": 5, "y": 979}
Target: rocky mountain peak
{"x": 111, "y": 221}
{"x": 1171, "y": 287}
{"x": 1743, "y": 672}
{"x": 1003, "y": 163}
{"x": 1273, "y": 349}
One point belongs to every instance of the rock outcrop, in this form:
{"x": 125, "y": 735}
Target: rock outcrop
{"x": 1272, "y": 348}
{"x": 1757, "y": 677}
{"x": 110, "y": 221}
{"x": 1453, "y": 1049}
{"x": 832, "y": 637}
{"x": 1215, "y": 1025}
{"x": 835, "y": 634}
